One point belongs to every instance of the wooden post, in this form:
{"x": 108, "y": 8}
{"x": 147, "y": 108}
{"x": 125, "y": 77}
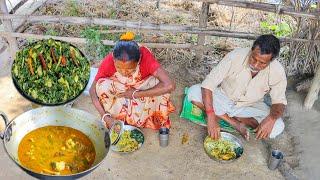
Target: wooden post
{"x": 264, "y": 7}
{"x": 203, "y": 19}
{"x": 7, "y": 24}
{"x": 313, "y": 91}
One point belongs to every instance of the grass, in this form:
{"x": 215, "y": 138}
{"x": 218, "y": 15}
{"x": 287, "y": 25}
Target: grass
{"x": 94, "y": 47}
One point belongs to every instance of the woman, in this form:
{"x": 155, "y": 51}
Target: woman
{"x": 131, "y": 86}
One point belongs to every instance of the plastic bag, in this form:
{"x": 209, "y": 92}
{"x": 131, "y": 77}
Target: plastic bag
{"x": 191, "y": 112}
{"x": 194, "y": 114}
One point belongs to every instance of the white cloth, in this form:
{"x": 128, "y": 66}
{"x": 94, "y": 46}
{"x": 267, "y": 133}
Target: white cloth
{"x": 93, "y": 73}
{"x": 223, "y": 105}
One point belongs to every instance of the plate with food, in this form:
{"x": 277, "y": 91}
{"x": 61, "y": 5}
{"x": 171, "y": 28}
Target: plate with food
{"x": 226, "y": 149}
{"x": 50, "y": 72}
{"x": 130, "y": 139}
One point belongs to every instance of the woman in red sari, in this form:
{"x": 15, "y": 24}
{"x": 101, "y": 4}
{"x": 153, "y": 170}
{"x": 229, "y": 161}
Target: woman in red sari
{"x": 131, "y": 86}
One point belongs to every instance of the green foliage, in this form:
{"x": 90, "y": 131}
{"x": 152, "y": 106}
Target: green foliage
{"x": 313, "y": 6}
{"x": 94, "y": 47}
{"x": 52, "y": 32}
{"x": 180, "y": 19}
{"x": 281, "y": 29}
{"x": 112, "y": 13}
{"x": 171, "y": 38}
{"x": 30, "y": 41}
{"x": 194, "y": 38}
{"x": 138, "y": 38}
{"x": 72, "y": 8}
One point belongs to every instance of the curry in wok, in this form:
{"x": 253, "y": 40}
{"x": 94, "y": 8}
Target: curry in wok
{"x": 56, "y": 150}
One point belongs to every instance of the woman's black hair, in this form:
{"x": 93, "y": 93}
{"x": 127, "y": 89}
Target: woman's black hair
{"x": 268, "y": 44}
{"x": 126, "y": 50}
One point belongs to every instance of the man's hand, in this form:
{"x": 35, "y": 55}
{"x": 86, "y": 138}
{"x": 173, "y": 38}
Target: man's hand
{"x": 213, "y": 127}
{"x": 264, "y": 129}
{"x": 127, "y": 94}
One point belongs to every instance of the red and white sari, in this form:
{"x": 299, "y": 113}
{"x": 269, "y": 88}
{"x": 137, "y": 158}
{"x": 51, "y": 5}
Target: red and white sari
{"x": 146, "y": 112}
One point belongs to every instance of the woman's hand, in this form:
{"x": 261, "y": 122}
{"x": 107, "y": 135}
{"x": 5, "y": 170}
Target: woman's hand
{"x": 108, "y": 121}
{"x": 127, "y": 94}
{"x": 164, "y": 86}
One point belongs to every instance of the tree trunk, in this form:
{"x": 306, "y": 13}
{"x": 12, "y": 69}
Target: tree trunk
{"x": 314, "y": 90}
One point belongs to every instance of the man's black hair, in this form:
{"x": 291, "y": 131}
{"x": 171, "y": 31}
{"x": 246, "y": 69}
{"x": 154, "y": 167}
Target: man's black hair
{"x": 268, "y": 44}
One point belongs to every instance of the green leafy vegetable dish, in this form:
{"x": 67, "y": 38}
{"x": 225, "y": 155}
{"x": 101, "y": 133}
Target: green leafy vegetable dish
{"x": 50, "y": 72}
{"x": 222, "y": 149}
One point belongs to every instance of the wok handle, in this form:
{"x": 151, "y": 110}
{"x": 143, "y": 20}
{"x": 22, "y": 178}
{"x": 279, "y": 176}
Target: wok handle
{"x": 5, "y": 123}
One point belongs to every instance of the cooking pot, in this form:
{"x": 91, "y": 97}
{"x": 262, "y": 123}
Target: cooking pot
{"x": 55, "y": 116}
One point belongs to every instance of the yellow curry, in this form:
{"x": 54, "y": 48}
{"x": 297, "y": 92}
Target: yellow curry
{"x": 56, "y": 150}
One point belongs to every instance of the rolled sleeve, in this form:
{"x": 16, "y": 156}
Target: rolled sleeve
{"x": 217, "y": 74}
{"x": 278, "y": 93}
{"x": 278, "y": 89}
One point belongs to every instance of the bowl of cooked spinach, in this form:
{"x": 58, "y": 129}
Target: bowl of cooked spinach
{"x": 50, "y": 72}
{"x": 226, "y": 149}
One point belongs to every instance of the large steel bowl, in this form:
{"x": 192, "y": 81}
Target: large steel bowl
{"x": 225, "y": 136}
{"x": 56, "y": 116}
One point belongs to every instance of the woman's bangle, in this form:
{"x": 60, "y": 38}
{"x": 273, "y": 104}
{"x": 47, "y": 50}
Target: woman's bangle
{"x": 133, "y": 94}
{"x": 106, "y": 114}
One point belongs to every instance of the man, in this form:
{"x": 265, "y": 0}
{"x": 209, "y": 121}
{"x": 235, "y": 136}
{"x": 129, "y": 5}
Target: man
{"x": 234, "y": 90}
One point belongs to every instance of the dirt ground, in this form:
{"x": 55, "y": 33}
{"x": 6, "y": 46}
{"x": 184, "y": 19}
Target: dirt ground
{"x": 189, "y": 161}
{"x": 305, "y": 127}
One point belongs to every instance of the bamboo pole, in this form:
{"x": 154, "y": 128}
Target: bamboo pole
{"x": 313, "y": 91}
{"x": 99, "y": 21}
{"x": 83, "y": 40}
{"x": 16, "y": 7}
{"x": 203, "y": 19}
{"x": 158, "y": 4}
{"x": 145, "y": 26}
{"x": 264, "y": 7}
{"x": 7, "y": 24}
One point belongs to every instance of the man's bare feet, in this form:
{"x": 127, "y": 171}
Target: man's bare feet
{"x": 250, "y": 122}
{"x": 242, "y": 129}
